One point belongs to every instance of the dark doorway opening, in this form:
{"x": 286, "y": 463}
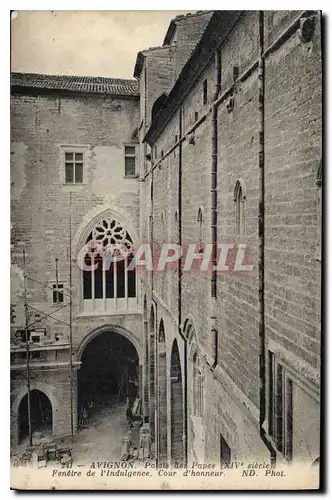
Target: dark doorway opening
{"x": 177, "y": 421}
{"x": 109, "y": 375}
{"x": 225, "y": 452}
{"x": 41, "y": 415}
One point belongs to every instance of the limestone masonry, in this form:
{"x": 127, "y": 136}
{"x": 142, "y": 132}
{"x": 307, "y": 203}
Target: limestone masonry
{"x": 217, "y": 140}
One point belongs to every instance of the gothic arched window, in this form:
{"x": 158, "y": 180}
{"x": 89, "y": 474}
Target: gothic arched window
{"x": 109, "y": 277}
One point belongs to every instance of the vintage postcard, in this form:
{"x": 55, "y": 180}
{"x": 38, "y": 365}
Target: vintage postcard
{"x": 166, "y": 206}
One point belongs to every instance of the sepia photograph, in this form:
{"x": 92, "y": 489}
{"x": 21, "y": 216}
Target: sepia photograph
{"x": 166, "y": 177}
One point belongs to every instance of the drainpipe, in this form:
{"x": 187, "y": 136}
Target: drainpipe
{"x": 261, "y": 261}
{"x": 179, "y": 207}
{"x": 214, "y": 165}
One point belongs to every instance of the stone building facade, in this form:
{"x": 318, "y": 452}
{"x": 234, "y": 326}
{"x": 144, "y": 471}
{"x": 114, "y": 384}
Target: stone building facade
{"x": 225, "y": 119}
{"x": 83, "y": 125}
{"x": 233, "y": 156}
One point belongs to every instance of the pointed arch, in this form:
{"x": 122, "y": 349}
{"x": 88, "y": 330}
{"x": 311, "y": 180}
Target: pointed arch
{"x": 146, "y": 361}
{"x": 177, "y": 417}
{"x": 92, "y": 217}
{"x": 152, "y": 365}
{"x": 196, "y": 394}
{"x": 161, "y": 336}
{"x": 161, "y": 392}
{"x": 108, "y": 283}
{"x": 152, "y": 322}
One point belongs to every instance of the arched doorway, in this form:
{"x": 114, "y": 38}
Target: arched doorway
{"x": 162, "y": 397}
{"x": 195, "y": 398}
{"x": 109, "y": 375}
{"x": 41, "y": 415}
{"x": 152, "y": 354}
{"x": 177, "y": 420}
{"x": 146, "y": 360}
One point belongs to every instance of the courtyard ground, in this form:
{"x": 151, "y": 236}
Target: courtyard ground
{"x": 102, "y": 438}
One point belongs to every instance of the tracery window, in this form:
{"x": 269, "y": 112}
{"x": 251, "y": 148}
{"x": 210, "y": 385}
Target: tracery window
{"x": 108, "y": 276}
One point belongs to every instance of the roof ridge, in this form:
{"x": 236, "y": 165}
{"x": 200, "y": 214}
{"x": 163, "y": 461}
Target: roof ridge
{"x": 52, "y": 75}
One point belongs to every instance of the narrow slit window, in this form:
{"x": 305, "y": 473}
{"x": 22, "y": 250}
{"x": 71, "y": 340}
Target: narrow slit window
{"x": 280, "y": 413}
{"x": 239, "y": 200}
{"x": 205, "y": 87}
{"x": 200, "y": 229}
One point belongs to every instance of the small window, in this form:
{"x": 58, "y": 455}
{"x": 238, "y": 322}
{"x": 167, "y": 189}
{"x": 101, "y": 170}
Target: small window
{"x": 196, "y": 116}
{"x": 73, "y": 167}
{"x": 205, "y": 92}
{"x": 280, "y": 407}
{"x": 200, "y": 229}
{"x": 58, "y": 293}
{"x": 130, "y": 161}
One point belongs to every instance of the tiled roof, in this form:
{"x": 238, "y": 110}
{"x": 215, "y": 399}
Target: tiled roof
{"x": 90, "y": 84}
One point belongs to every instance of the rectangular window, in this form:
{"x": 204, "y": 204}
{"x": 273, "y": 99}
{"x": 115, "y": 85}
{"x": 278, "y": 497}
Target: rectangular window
{"x": 73, "y": 168}
{"x": 280, "y": 407}
{"x": 58, "y": 293}
{"x": 225, "y": 452}
{"x": 130, "y": 161}
{"x": 205, "y": 92}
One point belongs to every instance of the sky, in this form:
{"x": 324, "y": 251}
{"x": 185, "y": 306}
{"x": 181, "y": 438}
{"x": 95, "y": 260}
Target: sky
{"x": 85, "y": 43}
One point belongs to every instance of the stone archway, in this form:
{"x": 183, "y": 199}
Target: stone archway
{"x": 146, "y": 361}
{"x": 110, "y": 373}
{"x": 177, "y": 418}
{"x": 41, "y": 416}
{"x": 15, "y": 406}
{"x": 162, "y": 397}
{"x": 152, "y": 355}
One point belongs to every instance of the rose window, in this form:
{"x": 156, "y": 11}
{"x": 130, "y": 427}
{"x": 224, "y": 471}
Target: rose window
{"x": 108, "y": 278}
